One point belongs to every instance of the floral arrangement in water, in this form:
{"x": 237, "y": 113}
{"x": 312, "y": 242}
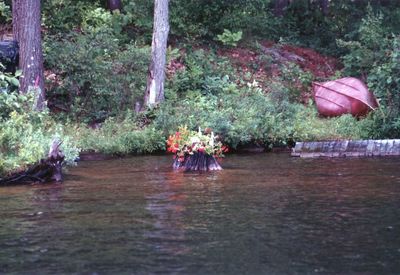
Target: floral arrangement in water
{"x": 186, "y": 142}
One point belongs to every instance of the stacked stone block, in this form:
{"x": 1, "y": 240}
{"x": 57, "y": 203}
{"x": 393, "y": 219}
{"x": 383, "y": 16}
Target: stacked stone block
{"x": 347, "y": 148}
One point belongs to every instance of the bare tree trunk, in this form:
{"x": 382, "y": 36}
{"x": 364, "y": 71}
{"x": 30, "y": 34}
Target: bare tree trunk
{"x": 114, "y": 5}
{"x": 27, "y": 31}
{"x": 156, "y": 74}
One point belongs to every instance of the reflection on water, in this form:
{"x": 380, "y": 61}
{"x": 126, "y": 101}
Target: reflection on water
{"x": 167, "y": 208}
{"x": 261, "y": 214}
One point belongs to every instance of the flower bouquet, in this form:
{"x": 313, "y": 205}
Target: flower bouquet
{"x": 195, "y": 151}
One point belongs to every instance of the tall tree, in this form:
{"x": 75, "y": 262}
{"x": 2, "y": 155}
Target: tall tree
{"x": 27, "y": 31}
{"x": 156, "y": 74}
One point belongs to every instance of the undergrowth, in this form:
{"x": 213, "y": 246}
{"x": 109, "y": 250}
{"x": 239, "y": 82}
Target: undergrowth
{"x": 120, "y": 136}
{"x": 26, "y": 135}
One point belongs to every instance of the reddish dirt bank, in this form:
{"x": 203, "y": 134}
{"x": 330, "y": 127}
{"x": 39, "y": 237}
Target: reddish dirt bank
{"x": 265, "y": 61}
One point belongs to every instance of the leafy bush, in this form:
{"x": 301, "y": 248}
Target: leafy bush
{"x": 375, "y": 57}
{"x": 305, "y": 23}
{"x": 66, "y": 15}
{"x": 229, "y": 38}
{"x": 9, "y": 82}
{"x": 98, "y": 78}
{"x": 5, "y": 13}
{"x": 193, "y": 19}
{"x": 123, "y": 137}
{"x": 295, "y": 80}
{"x": 203, "y": 73}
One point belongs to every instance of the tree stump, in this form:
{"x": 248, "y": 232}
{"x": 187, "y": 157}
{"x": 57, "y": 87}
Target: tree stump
{"x": 198, "y": 161}
{"x": 47, "y": 170}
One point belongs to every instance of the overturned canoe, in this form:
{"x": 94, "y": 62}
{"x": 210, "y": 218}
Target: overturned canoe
{"x": 347, "y": 95}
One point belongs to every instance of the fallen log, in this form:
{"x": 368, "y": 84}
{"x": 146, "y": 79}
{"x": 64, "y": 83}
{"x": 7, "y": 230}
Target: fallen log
{"x": 46, "y": 170}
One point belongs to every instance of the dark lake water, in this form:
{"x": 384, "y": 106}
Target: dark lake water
{"x": 263, "y": 214}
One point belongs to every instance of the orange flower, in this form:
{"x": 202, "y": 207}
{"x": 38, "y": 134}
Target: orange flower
{"x": 170, "y": 140}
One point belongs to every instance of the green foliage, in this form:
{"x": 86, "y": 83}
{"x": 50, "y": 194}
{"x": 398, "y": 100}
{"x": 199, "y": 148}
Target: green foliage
{"x": 245, "y": 114}
{"x": 369, "y": 48}
{"x": 5, "y": 13}
{"x": 304, "y": 22}
{"x": 295, "y": 80}
{"x": 229, "y": 38}
{"x": 102, "y": 20}
{"x": 9, "y": 82}
{"x": 26, "y": 135}
{"x": 207, "y": 92}
{"x": 65, "y": 15}
{"x": 375, "y": 56}
{"x": 101, "y": 71}
{"x": 203, "y": 71}
{"x": 138, "y": 19}
{"x": 194, "y": 19}
{"x": 96, "y": 20}
{"x": 99, "y": 77}
{"x": 117, "y": 136}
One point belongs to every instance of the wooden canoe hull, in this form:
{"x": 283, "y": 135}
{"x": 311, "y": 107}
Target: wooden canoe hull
{"x": 343, "y": 96}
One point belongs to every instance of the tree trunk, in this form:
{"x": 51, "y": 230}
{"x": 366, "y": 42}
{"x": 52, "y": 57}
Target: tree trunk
{"x": 324, "y": 5}
{"x": 114, "y": 5}
{"x": 15, "y": 18}
{"x": 156, "y": 74}
{"x": 27, "y": 32}
{"x": 280, "y": 6}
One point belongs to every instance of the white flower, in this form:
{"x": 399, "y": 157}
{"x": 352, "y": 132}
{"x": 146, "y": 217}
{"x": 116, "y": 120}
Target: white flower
{"x": 194, "y": 140}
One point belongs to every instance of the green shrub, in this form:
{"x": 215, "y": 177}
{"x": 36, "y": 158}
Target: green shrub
{"x": 193, "y": 19}
{"x": 26, "y": 135}
{"x": 369, "y": 48}
{"x": 204, "y": 72}
{"x": 295, "y": 80}
{"x": 9, "y": 82}
{"x": 375, "y": 56}
{"x": 305, "y": 24}
{"x": 229, "y": 38}
{"x": 5, "y": 13}
{"x": 65, "y": 15}
{"x": 122, "y": 137}
{"x": 99, "y": 78}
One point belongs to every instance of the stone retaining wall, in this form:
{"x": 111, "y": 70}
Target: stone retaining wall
{"x": 347, "y": 148}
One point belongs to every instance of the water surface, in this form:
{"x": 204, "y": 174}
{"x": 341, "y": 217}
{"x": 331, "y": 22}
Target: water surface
{"x": 263, "y": 214}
